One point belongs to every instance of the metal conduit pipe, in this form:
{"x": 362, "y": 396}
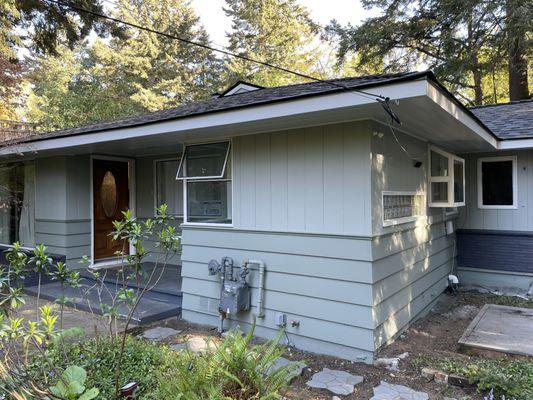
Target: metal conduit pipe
{"x": 261, "y": 288}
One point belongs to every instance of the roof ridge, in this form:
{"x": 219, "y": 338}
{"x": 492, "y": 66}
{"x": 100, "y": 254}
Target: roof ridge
{"x": 508, "y": 103}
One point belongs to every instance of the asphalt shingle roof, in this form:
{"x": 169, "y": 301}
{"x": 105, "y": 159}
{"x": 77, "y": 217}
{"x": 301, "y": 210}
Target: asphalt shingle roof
{"x": 241, "y": 100}
{"x": 512, "y": 120}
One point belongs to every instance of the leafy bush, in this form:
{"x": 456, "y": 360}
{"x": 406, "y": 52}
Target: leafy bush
{"x": 71, "y": 386}
{"x": 141, "y": 361}
{"x": 511, "y": 378}
{"x": 231, "y": 370}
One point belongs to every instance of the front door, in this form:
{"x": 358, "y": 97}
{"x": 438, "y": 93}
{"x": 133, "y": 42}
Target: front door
{"x": 110, "y": 197}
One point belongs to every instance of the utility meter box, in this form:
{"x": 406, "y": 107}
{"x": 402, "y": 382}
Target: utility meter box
{"x": 235, "y": 297}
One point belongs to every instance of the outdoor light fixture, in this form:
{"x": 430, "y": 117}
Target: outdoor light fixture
{"x": 127, "y": 391}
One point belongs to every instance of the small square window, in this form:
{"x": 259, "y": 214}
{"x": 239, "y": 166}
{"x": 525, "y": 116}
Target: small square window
{"x": 497, "y": 182}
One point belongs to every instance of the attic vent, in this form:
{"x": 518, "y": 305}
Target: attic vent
{"x": 240, "y": 87}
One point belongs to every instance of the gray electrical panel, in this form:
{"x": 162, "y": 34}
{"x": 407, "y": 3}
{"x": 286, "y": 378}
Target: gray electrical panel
{"x": 235, "y": 295}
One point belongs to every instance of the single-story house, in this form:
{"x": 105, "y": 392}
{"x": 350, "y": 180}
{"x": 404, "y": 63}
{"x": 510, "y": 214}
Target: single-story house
{"x": 354, "y": 216}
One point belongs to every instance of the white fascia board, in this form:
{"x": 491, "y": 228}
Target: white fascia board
{"x": 515, "y": 144}
{"x": 440, "y": 98}
{"x": 279, "y": 109}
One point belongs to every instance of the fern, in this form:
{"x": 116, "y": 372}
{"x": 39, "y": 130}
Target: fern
{"x": 231, "y": 370}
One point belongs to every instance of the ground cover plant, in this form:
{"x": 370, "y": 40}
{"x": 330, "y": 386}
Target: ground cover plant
{"x": 41, "y": 360}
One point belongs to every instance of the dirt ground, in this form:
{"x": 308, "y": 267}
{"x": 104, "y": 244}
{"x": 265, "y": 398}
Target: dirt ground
{"x": 434, "y": 336}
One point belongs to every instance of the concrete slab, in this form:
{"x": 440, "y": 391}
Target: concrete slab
{"x": 500, "y": 329}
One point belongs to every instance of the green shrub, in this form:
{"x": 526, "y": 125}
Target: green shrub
{"x": 512, "y": 378}
{"x": 141, "y": 361}
{"x": 231, "y": 370}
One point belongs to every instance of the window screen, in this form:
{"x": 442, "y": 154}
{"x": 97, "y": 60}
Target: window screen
{"x": 497, "y": 183}
{"x": 201, "y": 161}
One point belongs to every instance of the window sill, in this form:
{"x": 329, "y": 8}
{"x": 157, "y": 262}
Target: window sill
{"x": 207, "y": 224}
{"x": 404, "y": 220}
{"x": 497, "y": 207}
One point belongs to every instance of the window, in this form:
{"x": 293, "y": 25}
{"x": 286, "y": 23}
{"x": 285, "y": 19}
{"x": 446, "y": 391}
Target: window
{"x": 446, "y": 179}
{"x": 497, "y": 182}
{"x": 402, "y": 207}
{"x": 204, "y": 161}
{"x": 17, "y": 204}
{"x": 206, "y": 170}
{"x": 168, "y": 191}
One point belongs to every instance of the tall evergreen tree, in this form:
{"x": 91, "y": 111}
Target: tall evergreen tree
{"x": 120, "y": 77}
{"x": 278, "y": 32}
{"x": 464, "y": 42}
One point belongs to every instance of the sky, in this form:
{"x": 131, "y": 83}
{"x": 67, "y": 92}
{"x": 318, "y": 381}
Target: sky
{"x": 322, "y": 11}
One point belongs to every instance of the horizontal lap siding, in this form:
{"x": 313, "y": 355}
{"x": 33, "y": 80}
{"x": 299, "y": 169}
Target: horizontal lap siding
{"x": 408, "y": 281}
{"x": 411, "y": 261}
{"x": 497, "y": 250}
{"x": 71, "y": 238}
{"x": 330, "y": 296}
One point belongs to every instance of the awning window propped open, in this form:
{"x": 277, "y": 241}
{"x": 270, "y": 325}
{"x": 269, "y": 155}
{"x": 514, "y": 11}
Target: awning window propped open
{"x": 204, "y": 161}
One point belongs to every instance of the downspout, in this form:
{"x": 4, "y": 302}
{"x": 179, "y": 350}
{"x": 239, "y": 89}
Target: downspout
{"x": 261, "y": 287}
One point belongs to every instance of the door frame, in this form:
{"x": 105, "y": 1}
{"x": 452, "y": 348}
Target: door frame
{"x": 132, "y": 198}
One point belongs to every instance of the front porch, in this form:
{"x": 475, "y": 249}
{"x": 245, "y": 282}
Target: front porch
{"x": 162, "y": 299}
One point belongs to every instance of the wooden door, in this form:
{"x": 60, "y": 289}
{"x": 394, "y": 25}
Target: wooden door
{"x": 110, "y": 197}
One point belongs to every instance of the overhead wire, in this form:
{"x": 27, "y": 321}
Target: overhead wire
{"x": 383, "y": 100}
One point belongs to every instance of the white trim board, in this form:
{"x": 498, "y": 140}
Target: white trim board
{"x": 287, "y": 110}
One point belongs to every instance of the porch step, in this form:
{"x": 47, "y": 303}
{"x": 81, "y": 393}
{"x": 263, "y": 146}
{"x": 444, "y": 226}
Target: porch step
{"x": 167, "y": 282}
{"x": 154, "y": 306}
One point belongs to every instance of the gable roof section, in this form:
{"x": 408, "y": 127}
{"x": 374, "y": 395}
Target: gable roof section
{"x": 513, "y": 120}
{"x": 241, "y": 100}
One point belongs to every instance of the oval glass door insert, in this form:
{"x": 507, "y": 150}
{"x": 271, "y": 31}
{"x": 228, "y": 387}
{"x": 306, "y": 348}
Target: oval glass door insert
{"x": 108, "y": 194}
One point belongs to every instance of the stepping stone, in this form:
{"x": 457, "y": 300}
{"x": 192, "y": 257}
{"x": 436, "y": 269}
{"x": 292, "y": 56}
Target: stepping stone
{"x": 160, "y": 333}
{"x": 283, "y": 362}
{"x": 337, "y": 382}
{"x": 388, "y": 391}
{"x": 178, "y": 346}
{"x": 197, "y": 344}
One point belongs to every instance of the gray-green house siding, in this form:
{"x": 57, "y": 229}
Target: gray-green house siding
{"x": 308, "y": 203}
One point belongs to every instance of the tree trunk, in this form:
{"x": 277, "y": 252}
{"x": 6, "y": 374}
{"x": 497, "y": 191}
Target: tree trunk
{"x": 518, "y": 82}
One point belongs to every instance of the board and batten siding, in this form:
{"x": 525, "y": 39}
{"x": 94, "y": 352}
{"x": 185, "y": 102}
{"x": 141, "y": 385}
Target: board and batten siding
{"x": 62, "y": 206}
{"x": 411, "y": 261}
{"x": 307, "y": 180}
{"x": 301, "y": 204}
{"x": 494, "y": 246}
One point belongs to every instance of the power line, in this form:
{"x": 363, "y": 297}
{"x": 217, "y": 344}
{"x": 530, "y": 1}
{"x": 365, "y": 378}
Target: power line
{"x": 384, "y": 101}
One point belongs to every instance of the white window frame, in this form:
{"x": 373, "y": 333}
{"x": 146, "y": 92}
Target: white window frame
{"x": 403, "y": 220}
{"x": 155, "y": 183}
{"x": 185, "y": 188}
{"x": 480, "y": 204}
{"x": 183, "y": 161}
{"x": 447, "y": 179}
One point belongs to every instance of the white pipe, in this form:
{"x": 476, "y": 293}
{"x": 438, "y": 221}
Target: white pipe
{"x": 260, "y": 293}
